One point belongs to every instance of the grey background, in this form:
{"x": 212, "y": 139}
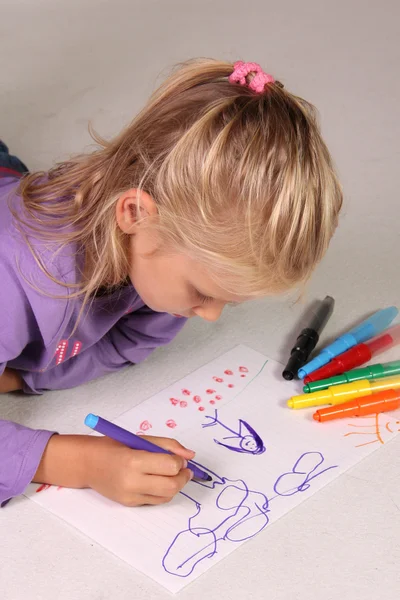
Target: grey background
{"x": 64, "y": 63}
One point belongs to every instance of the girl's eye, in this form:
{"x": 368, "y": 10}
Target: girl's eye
{"x": 203, "y": 299}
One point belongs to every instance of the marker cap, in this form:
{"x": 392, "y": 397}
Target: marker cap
{"x": 91, "y": 420}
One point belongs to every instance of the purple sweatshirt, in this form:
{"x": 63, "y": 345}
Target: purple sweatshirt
{"x": 35, "y": 336}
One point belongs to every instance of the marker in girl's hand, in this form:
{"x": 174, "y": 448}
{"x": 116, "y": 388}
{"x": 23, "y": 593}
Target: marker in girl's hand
{"x": 135, "y": 442}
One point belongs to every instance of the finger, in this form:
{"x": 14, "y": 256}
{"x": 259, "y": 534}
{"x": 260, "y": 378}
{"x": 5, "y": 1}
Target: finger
{"x": 171, "y": 445}
{"x": 154, "y": 500}
{"x": 154, "y": 463}
{"x": 179, "y": 481}
{"x": 172, "y": 485}
{"x": 157, "y": 485}
{"x": 141, "y": 499}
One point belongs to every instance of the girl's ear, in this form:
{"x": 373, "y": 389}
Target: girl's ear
{"x": 132, "y": 207}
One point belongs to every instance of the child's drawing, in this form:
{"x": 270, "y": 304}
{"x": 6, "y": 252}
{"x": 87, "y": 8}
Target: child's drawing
{"x": 251, "y": 487}
{"x": 304, "y": 471}
{"x": 376, "y": 429}
{"x": 244, "y": 439}
{"x": 233, "y": 513}
{"x": 45, "y": 486}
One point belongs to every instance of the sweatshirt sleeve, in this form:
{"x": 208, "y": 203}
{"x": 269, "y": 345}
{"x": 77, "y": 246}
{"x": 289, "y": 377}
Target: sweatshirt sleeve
{"x": 130, "y": 341}
{"x": 21, "y": 448}
{"x": 16, "y": 316}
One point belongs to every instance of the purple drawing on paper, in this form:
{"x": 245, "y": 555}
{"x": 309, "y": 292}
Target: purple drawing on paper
{"x": 236, "y": 514}
{"x": 298, "y": 479}
{"x": 243, "y": 439}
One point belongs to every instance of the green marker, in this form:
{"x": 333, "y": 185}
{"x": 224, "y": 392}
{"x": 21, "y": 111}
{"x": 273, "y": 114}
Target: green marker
{"x": 371, "y": 372}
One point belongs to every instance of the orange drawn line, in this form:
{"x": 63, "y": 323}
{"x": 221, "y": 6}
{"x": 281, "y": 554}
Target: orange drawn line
{"x": 352, "y": 425}
{"x": 359, "y": 433}
{"x": 388, "y": 428}
{"x": 365, "y": 417}
{"x": 378, "y": 433}
{"x": 367, "y": 443}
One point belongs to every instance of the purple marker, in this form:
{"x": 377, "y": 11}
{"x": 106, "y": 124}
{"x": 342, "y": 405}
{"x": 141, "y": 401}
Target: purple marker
{"x": 136, "y": 442}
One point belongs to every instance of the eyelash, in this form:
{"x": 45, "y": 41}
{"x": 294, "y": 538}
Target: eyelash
{"x": 203, "y": 299}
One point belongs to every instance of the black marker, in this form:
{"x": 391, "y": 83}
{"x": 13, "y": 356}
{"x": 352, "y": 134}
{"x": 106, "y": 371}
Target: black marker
{"x": 308, "y": 338}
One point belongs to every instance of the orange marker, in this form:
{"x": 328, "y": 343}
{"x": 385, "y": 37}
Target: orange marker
{"x": 366, "y": 405}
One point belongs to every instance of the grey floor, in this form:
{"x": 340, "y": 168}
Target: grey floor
{"x": 65, "y": 63}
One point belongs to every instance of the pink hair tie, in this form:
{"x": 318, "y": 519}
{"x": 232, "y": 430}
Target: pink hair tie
{"x": 259, "y": 81}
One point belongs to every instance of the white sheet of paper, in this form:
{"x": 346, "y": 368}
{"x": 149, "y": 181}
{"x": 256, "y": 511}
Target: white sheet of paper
{"x": 264, "y": 459}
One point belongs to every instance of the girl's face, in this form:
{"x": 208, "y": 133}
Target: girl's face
{"x": 169, "y": 282}
{"x": 175, "y": 283}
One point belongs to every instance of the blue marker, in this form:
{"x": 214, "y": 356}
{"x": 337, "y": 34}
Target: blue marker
{"x": 363, "y": 332}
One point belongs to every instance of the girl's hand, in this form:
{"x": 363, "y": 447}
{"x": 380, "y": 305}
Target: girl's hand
{"x": 130, "y": 477}
{"x": 135, "y": 477}
{"x": 10, "y": 381}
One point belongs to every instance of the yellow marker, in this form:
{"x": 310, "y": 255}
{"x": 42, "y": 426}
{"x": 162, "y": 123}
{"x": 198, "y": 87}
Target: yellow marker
{"x": 336, "y": 394}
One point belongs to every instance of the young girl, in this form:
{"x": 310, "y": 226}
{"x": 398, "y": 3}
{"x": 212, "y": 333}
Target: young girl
{"x": 221, "y": 190}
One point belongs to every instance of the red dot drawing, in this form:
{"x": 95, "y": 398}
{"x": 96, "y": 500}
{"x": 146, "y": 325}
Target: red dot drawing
{"x": 145, "y": 426}
{"x": 174, "y": 401}
{"x": 218, "y": 397}
{"x": 218, "y": 379}
{"x": 228, "y": 372}
{"x": 243, "y": 376}
{"x": 230, "y": 385}
{"x": 183, "y": 404}
{"x": 243, "y": 370}
{"x": 196, "y": 399}
{"x": 170, "y": 423}
{"x": 212, "y": 401}
{"x": 201, "y": 408}
{"x": 186, "y": 392}
{"x": 44, "y": 486}
{"x": 210, "y": 391}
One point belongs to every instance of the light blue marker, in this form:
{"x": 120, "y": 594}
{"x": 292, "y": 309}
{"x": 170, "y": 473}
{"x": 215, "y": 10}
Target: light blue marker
{"x": 363, "y": 332}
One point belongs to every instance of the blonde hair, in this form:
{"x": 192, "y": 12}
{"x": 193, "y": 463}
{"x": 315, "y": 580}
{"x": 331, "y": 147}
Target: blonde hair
{"x": 243, "y": 182}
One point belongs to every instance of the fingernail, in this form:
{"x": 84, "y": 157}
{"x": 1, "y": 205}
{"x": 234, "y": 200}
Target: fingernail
{"x": 185, "y": 463}
{"x": 191, "y": 475}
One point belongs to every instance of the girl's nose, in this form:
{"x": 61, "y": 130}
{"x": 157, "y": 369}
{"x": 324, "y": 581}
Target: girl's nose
{"x": 210, "y": 312}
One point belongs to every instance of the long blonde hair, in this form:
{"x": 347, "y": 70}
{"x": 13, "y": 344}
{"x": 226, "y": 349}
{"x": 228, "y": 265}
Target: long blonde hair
{"x": 243, "y": 182}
